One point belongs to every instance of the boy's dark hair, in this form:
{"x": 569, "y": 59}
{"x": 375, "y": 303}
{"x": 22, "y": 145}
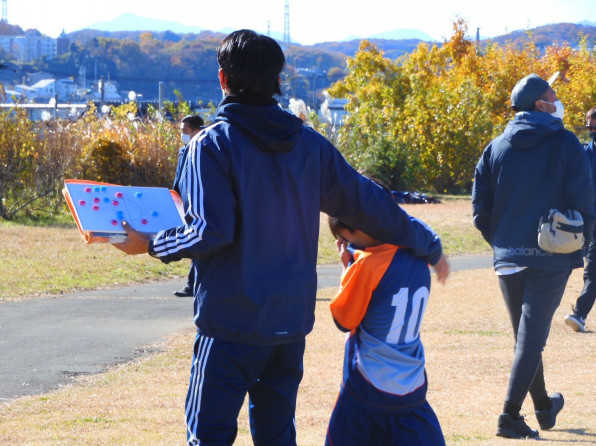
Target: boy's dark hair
{"x": 335, "y": 224}
{"x": 252, "y": 63}
{"x": 591, "y": 114}
{"x": 195, "y": 122}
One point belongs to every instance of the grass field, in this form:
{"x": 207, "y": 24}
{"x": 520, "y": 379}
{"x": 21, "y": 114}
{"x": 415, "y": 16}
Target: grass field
{"x": 468, "y": 344}
{"x": 52, "y": 260}
{"x": 468, "y": 353}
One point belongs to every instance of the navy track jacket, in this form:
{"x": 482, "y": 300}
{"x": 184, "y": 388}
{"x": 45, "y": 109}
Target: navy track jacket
{"x": 253, "y": 187}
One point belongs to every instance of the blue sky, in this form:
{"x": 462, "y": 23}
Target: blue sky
{"x": 311, "y": 21}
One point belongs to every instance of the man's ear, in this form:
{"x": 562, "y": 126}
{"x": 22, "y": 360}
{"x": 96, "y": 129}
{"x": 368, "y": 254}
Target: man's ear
{"x": 223, "y": 80}
{"x": 539, "y": 105}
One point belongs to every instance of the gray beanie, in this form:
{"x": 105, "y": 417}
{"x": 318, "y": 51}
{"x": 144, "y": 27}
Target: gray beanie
{"x": 527, "y": 91}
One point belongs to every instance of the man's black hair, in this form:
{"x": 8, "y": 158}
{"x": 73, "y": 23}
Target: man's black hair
{"x": 252, "y": 63}
{"x": 195, "y": 122}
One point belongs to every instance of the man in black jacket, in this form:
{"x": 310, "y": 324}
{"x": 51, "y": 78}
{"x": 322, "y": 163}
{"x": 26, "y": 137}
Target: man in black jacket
{"x": 585, "y": 300}
{"x": 534, "y": 166}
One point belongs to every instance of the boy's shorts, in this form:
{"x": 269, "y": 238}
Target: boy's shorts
{"x": 353, "y": 425}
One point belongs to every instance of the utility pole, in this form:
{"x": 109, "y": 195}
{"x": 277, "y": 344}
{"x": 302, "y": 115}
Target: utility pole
{"x": 160, "y": 95}
{"x": 102, "y": 91}
{"x": 286, "y": 40}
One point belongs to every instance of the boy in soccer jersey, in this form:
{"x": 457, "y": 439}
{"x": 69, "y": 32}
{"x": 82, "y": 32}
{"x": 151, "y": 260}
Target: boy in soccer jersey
{"x": 383, "y": 294}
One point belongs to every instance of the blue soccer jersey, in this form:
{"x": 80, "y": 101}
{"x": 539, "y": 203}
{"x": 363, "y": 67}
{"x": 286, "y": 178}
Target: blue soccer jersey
{"x": 382, "y": 300}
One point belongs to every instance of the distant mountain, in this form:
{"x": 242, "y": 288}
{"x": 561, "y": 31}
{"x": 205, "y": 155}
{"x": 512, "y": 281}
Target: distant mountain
{"x": 186, "y": 61}
{"x": 587, "y": 22}
{"x": 10, "y": 30}
{"x": 554, "y": 34}
{"x": 84, "y": 35}
{"x": 132, "y": 22}
{"x": 392, "y": 48}
{"x": 403, "y": 34}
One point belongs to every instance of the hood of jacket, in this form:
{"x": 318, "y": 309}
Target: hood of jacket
{"x": 262, "y": 120}
{"x": 529, "y": 128}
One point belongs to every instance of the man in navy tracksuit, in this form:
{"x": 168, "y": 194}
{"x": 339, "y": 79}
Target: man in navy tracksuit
{"x": 534, "y": 166}
{"x": 253, "y": 187}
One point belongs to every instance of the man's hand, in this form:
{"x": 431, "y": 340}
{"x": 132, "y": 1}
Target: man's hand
{"x": 442, "y": 269}
{"x": 136, "y": 242}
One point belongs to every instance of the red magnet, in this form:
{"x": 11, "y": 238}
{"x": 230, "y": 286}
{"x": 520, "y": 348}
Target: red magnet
{"x": 143, "y": 221}
{"x": 82, "y": 202}
{"x": 95, "y": 207}
{"x": 119, "y": 195}
{"x": 88, "y": 189}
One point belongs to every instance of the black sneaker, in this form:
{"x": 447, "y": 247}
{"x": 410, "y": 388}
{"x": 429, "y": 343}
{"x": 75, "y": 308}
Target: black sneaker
{"x": 184, "y": 292}
{"x": 510, "y": 427}
{"x": 548, "y": 418}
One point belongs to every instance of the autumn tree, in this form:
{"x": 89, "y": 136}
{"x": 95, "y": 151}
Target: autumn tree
{"x": 422, "y": 121}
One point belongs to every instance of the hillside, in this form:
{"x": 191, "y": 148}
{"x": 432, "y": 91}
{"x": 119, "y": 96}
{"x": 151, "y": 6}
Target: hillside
{"x": 139, "y": 60}
{"x": 544, "y": 36}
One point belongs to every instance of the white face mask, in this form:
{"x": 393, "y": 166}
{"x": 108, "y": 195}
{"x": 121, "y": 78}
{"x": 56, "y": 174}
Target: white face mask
{"x": 559, "y": 109}
{"x": 185, "y": 138}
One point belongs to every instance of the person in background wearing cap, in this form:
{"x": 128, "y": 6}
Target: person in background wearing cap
{"x": 585, "y": 301}
{"x": 533, "y": 166}
{"x": 190, "y": 125}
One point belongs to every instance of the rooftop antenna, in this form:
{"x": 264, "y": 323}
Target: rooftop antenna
{"x": 4, "y": 14}
{"x": 286, "y": 40}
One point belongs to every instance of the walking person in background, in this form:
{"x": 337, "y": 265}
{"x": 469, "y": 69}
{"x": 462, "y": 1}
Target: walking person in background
{"x": 577, "y": 319}
{"x": 190, "y": 125}
{"x": 253, "y": 186}
{"x": 534, "y": 166}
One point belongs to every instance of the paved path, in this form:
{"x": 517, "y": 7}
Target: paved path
{"x": 45, "y": 342}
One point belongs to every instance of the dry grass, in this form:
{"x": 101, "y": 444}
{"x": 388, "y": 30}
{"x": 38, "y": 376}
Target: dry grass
{"x": 469, "y": 350}
{"x": 62, "y": 263}
{"x": 45, "y": 260}
{"x": 451, "y": 219}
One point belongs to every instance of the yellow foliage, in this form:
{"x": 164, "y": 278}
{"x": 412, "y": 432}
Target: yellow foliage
{"x": 36, "y": 157}
{"x": 422, "y": 121}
